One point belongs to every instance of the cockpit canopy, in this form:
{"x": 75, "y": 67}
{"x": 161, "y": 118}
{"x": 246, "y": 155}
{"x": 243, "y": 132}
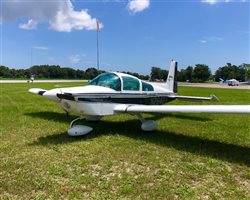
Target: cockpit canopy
{"x": 109, "y": 80}
{"x": 121, "y": 82}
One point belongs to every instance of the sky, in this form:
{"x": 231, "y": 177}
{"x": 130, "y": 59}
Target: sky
{"x": 134, "y": 34}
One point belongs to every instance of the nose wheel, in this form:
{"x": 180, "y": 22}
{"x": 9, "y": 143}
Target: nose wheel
{"x": 78, "y": 130}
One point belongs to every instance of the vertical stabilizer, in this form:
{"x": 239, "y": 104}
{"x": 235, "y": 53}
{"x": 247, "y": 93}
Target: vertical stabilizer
{"x": 171, "y": 82}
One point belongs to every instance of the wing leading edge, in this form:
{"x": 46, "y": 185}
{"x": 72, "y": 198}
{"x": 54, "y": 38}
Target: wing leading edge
{"x": 229, "y": 109}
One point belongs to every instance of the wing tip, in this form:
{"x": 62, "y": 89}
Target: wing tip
{"x": 214, "y": 97}
{"x": 37, "y": 91}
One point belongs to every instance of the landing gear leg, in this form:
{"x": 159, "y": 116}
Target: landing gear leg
{"x": 74, "y": 121}
{"x": 147, "y": 125}
{"x": 77, "y": 130}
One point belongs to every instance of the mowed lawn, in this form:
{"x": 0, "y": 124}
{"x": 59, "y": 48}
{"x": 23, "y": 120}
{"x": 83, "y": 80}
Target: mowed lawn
{"x": 189, "y": 156}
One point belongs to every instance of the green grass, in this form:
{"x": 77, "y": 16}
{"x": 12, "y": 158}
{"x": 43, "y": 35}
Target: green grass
{"x": 28, "y": 78}
{"x": 190, "y": 156}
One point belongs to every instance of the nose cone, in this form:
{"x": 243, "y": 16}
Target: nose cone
{"x": 52, "y": 94}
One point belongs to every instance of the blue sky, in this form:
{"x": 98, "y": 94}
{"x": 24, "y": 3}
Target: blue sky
{"x": 135, "y": 35}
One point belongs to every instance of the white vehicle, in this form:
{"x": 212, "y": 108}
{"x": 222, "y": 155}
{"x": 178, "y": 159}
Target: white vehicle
{"x": 113, "y": 93}
{"x": 233, "y": 82}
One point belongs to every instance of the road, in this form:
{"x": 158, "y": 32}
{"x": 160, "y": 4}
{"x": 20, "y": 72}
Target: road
{"x": 209, "y": 85}
{"x": 215, "y": 85}
{"x": 205, "y": 85}
{"x": 41, "y": 81}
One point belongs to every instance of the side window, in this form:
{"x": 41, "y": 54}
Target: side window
{"x": 130, "y": 83}
{"x": 147, "y": 87}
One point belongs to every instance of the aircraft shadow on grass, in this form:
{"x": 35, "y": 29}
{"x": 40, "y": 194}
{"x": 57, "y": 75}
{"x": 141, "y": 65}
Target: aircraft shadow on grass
{"x": 200, "y": 146}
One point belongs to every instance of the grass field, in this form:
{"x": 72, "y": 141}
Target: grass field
{"x": 190, "y": 156}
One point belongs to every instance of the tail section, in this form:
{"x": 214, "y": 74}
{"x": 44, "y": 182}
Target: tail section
{"x": 171, "y": 83}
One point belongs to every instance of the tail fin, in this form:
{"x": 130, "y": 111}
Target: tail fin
{"x": 171, "y": 83}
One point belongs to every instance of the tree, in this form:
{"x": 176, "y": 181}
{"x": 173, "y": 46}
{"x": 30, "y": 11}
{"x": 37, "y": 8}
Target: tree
{"x": 4, "y": 71}
{"x": 181, "y": 75}
{"x": 80, "y": 74}
{"x": 189, "y": 73}
{"x": 155, "y": 73}
{"x": 201, "y": 73}
{"x": 163, "y": 74}
{"x": 91, "y": 73}
{"x": 185, "y": 74}
{"x": 158, "y": 74}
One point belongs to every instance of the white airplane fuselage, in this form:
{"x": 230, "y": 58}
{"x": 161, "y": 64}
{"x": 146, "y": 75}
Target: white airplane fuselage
{"x": 92, "y": 100}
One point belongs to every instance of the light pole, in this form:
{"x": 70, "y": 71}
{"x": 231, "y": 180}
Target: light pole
{"x": 31, "y": 56}
{"x": 97, "y": 42}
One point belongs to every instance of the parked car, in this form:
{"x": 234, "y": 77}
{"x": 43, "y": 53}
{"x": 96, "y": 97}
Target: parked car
{"x": 233, "y": 82}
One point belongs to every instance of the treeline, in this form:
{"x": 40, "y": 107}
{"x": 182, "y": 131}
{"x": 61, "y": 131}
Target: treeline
{"x": 142, "y": 77}
{"x": 229, "y": 71}
{"x": 199, "y": 73}
{"x": 202, "y": 73}
{"x": 55, "y": 72}
{"x": 48, "y": 71}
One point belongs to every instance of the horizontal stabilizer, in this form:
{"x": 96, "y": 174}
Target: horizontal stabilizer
{"x": 37, "y": 91}
{"x": 237, "y": 109}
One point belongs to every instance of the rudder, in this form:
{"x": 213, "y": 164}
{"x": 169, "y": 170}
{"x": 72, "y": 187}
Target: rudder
{"x": 171, "y": 83}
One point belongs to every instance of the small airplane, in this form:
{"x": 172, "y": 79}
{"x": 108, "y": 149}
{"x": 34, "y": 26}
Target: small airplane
{"x": 114, "y": 93}
{"x": 230, "y": 82}
{"x": 222, "y": 80}
{"x": 233, "y": 82}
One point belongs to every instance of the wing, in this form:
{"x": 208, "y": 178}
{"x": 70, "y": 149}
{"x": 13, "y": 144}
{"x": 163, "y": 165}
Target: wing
{"x": 239, "y": 109}
{"x": 37, "y": 91}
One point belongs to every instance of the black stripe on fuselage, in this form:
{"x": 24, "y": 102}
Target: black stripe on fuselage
{"x": 66, "y": 96}
{"x": 41, "y": 92}
{"x": 124, "y": 98}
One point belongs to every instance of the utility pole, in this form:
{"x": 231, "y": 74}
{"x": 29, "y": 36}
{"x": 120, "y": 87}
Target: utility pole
{"x": 97, "y": 42}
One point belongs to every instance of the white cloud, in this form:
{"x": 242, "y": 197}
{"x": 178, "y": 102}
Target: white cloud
{"x": 213, "y": 39}
{"x": 243, "y": 32}
{"x": 212, "y": 2}
{"x": 205, "y": 40}
{"x": 75, "y": 59}
{"x": 31, "y": 24}
{"x": 61, "y": 15}
{"x": 138, "y": 5}
{"x": 40, "y": 48}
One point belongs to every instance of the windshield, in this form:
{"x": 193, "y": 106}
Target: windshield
{"x": 107, "y": 80}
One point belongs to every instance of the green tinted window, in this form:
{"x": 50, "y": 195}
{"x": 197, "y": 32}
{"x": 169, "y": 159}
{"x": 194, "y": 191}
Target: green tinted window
{"x": 130, "y": 83}
{"x": 107, "y": 80}
{"x": 147, "y": 87}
